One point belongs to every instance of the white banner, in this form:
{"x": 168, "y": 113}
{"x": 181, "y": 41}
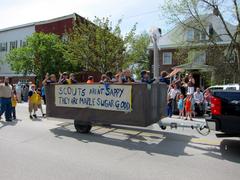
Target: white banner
{"x": 95, "y": 96}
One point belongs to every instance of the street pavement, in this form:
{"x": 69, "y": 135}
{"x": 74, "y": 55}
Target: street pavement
{"x": 50, "y": 149}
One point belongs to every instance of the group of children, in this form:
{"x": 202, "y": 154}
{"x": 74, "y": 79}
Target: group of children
{"x": 186, "y": 104}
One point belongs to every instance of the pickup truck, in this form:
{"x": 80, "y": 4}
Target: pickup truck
{"x": 225, "y": 112}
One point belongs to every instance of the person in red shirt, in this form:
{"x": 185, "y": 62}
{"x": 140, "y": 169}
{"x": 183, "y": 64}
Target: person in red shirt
{"x": 90, "y": 80}
{"x": 188, "y": 106}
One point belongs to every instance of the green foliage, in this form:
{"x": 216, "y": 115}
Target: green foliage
{"x": 137, "y": 56}
{"x": 98, "y": 47}
{"x": 42, "y": 53}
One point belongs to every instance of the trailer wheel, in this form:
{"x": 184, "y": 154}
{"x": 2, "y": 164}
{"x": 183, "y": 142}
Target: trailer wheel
{"x": 163, "y": 127}
{"x": 82, "y": 128}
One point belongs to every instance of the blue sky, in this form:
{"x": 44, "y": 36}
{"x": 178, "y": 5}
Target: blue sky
{"x": 144, "y": 12}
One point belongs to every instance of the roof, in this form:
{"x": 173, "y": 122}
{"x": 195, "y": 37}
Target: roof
{"x": 74, "y": 15}
{"x": 17, "y": 27}
{"x": 57, "y": 19}
{"x": 193, "y": 66}
{"x": 175, "y": 37}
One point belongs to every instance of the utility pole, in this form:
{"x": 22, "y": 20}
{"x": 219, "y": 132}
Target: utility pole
{"x": 155, "y": 34}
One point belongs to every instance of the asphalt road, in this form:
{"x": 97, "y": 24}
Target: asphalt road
{"x": 47, "y": 149}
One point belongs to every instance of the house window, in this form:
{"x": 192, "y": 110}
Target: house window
{"x": 3, "y": 47}
{"x": 200, "y": 58}
{"x": 13, "y": 45}
{"x": 190, "y": 35}
{"x": 167, "y": 58}
{"x": 22, "y": 43}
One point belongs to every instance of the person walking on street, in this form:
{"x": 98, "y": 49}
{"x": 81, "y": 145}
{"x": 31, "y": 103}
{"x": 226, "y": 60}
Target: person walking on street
{"x": 39, "y": 102}
{"x": 6, "y": 94}
{"x": 32, "y": 102}
{"x": 14, "y": 104}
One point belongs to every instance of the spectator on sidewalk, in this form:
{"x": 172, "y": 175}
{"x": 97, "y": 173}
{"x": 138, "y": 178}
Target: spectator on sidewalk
{"x": 19, "y": 92}
{"x": 207, "y": 100}
{"x": 6, "y": 96}
{"x": 181, "y": 106}
{"x": 199, "y": 99}
{"x": 191, "y": 83}
{"x": 25, "y": 91}
{"x": 188, "y": 106}
{"x": 173, "y": 93}
{"x": 14, "y": 104}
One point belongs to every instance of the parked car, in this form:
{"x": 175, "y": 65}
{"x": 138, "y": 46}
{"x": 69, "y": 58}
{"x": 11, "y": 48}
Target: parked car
{"x": 225, "y": 111}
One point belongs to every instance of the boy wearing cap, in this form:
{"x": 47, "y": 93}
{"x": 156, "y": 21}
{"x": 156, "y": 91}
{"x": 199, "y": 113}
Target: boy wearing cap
{"x": 63, "y": 79}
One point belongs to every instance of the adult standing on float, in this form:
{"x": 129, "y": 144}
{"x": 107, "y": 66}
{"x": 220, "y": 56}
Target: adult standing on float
{"x": 5, "y": 95}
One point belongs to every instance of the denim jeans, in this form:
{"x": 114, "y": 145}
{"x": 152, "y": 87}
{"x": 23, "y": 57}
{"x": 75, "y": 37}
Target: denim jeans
{"x": 13, "y": 113}
{"x": 6, "y": 107}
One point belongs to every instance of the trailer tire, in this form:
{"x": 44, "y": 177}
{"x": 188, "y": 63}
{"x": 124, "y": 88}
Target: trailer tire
{"x": 82, "y": 128}
{"x": 163, "y": 127}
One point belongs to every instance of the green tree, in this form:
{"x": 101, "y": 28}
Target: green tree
{"x": 98, "y": 46}
{"x": 42, "y": 53}
{"x": 137, "y": 57}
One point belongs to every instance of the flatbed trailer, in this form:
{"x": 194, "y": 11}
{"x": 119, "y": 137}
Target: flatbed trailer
{"x": 122, "y": 104}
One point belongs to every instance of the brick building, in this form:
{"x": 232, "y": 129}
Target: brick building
{"x": 15, "y": 37}
{"x": 182, "y": 36}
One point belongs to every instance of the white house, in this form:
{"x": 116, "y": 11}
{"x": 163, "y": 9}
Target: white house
{"x": 15, "y": 37}
{"x": 11, "y": 38}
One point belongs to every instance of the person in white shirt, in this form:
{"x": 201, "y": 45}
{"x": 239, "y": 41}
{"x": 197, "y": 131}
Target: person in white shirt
{"x": 6, "y": 95}
{"x": 199, "y": 99}
{"x": 172, "y": 99}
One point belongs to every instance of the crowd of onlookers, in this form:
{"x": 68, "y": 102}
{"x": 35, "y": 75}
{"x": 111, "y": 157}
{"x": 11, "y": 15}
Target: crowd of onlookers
{"x": 185, "y": 99}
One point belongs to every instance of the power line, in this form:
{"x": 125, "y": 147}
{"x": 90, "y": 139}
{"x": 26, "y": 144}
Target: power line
{"x": 141, "y": 14}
